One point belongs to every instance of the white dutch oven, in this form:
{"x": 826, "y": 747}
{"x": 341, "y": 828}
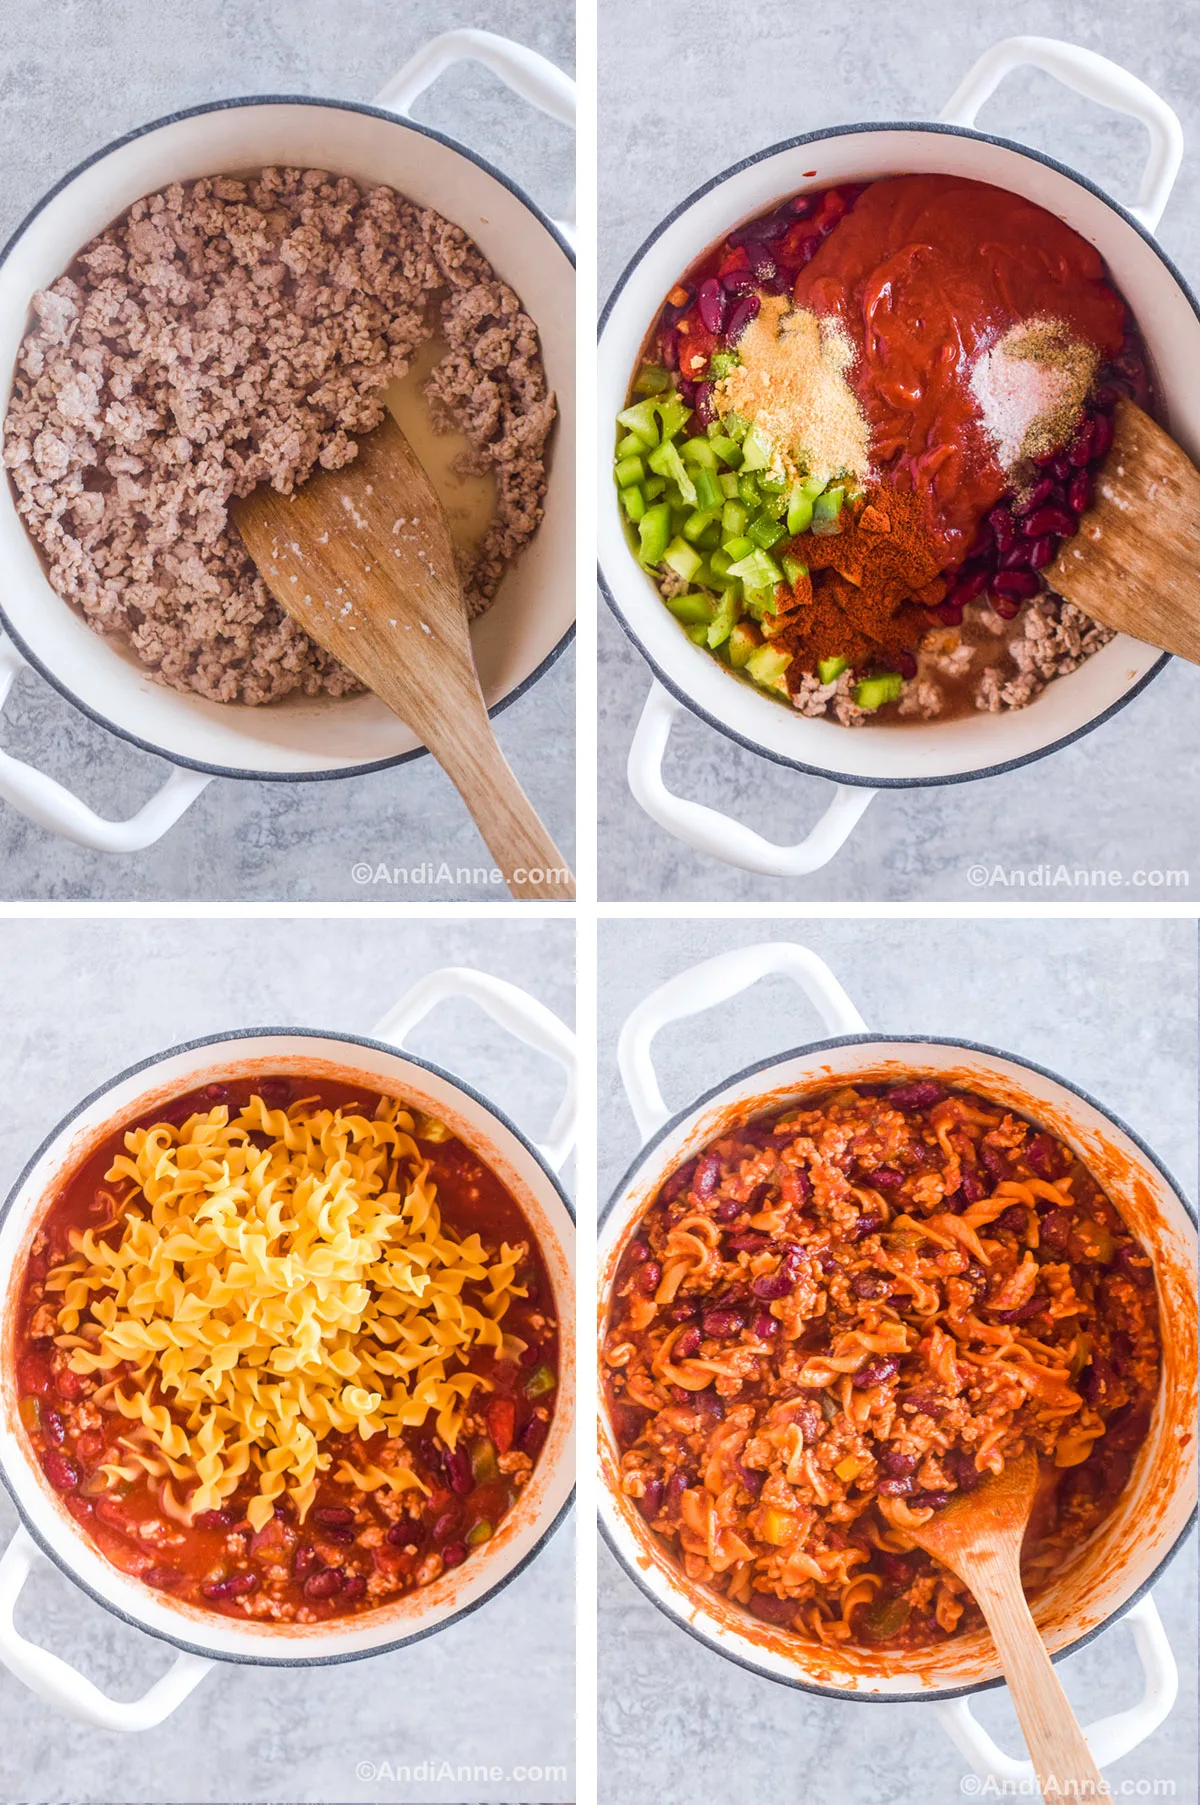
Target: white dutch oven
{"x": 908, "y": 755}
{"x": 1111, "y": 1574}
{"x": 48, "y": 1531}
{"x": 301, "y": 738}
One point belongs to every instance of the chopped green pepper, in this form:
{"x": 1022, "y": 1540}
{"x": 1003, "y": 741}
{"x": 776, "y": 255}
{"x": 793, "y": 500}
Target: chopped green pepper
{"x": 483, "y": 1461}
{"x": 654, "y": 530}
{"x": 830, "y": 669}
{"x": 826, "y": 509}
{"x": 733, "y": 519}
{"x": 629, "y": 470}
{"x": 744, "y": 640}
{"x": 634, "y": 503}
{"x": 665, "y": 460}
{"x": 766, "y": 664}
{"x": 756, "y": 453}
{"x": 799, "y": 511}
{"x": 757, "y": 569}
{"x": 794, "y": 569}
{"x": 673, "y": 414}
{"x": 631, "y": 446}
{"x": 695, "y": 524}
{"x": 765, "y": 532}
{"x": 541, "y": 1380}
{"x": 708, "y": 489}
{"x": 698, "y": 451}
{"x": 683, "y": 559}
{"x": 873, "y": 692}
{"x": 724, "y": 621}
{"x": 721, "y": 363}
{"x": 652, "y": 380}
{"x": 738, "y": 547}
{"x": 641, "y": 419}
{"x": 693, "y": 609}
{"x": 481, "y": 1533}
{"x": 728, "y": 450}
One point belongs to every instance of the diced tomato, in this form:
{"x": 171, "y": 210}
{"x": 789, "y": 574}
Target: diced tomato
{"x": 501, "y": 1416}
{"x": 696, "y": 342}
{"x": 737, "y": 258}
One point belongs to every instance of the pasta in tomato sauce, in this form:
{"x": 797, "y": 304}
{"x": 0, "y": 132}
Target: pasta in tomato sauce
{"x": 836, "y": 1317}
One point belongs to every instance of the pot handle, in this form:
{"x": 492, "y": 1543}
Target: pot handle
{"x": 1109, "y": 1738}
{"x": 513, "y": 1009}
{"x": 528, "y": 74}
{"x": 718, "y": 835}
{"x": 56, "y": 1681}
{"x": 703, "y": 987}
{"x": 1096, "y": 79}
{"x": 39, "y": 798}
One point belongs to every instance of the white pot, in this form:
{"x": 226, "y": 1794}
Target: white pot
{"x": 301, "y": 737}
{"x": 1111, "y": 1574}
{"x": 902, "y": 755}
{"x": 48, "y": 1530}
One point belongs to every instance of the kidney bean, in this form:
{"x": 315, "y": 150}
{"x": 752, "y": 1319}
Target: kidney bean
{"x": 1018, "y": 585}
{"x": 973, "y": 1187}
{"x": 1042, "y": 490}
{"x": 764, "y": 1325}
{"x": 1000, "y": 524}
{"x": 678, "y": 1182}
{"x": 899, "y": 1487}
{"x": 983, "y": 544}
{"x": 708, "y": 1404}
{"x": 885, "y": 1178}
{"x": 688, "y": 390}
{"x": 906, "y": 664}
{"x": 637, "y": 1252}
{"x": 924, "y": 1401}
{"x": 969, "y": 583}
{"x": 865, "y": 1284}
{"x": 723, "y": 1325}
{"x": 649, "y": 1278}
{"x": 1058, "y": 520}
{"x": 677, "y": 1485}
{"x": 1121, "y": 1348}
{"x": 305, "y": 1560}
{"x": 866, "y": 1225}
{"x": 923, "y": 1093}
{"x": 1041, "y": 552}
{"x": 744, "y": 311}
{"x": 900, "y": 1466}
{"x": 1004, "y": 606}
{"x": 1016, "y": 1218}
{"x": 399, "y": 1535}
{"x": 457, "y": 1467}
{"x": 214, "y": 1519}
{"x": 69, "y": 1385}
{"x": 875, "y": 1372}
{"x": 896, "y": 1566}
{"x": 962, "y": 1465}
{"x": 1080, "y": 491}
{"x": 354, "y": 1588}
{"x": 929, "y": 1500}
{"x": 532, "y": 1436}
{"x": 650, "y": 1502}
{"x": 826, "y": 1261}
{"x": 446, "y": 1523}
{"x": 727, "y": 1211}
{"x": 674, "y": 311}
{"x": 771, "y": 1285}
{"x": 707, "y": 1173}
{"x": 995, "y": 1162}
{"x": 762, "y": 231}
{"x": 1017, "y": 556}
{"x": 62, "y": 1472}
{"x": 689, "y": 1342}
{"x": 240, "y": 1585}
{"x": 1055, "y": 1230}
{"x": 1043, "y": 1155}
{"x": 89, "y": 1446}
{"x": 1031, "y": 1307}
{"x": 738, "y": 282}
{"x": 801, "y": 205}
{"x": 706, "y": 411}
{"x": 53, "y": 1428}
{"x": 276, "y": 1093}
{"x": 1081, "y": 451}
{"x": 341, "y": 1533}
{"x": 214, "y": 1589}
{"x": 949, "y": 613}
{"x": 750, "y": 1478}
{"x": 683, "y": 1309}
{"x": 334, "y": 1516}
{"x": 713, "y": 304}
{"x": 770, "y": 1609}
{"x": 1135, "y": 1266}
{"x": 162, "y": 1578}
{"x": 1102, "y": 437}
{"x": 747, "y": 1240}
{"x": 454, "y": 1554}
{"x": 325, "y": 1584}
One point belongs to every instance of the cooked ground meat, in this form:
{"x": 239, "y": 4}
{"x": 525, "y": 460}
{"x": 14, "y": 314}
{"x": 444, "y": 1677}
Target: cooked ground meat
{"x": 226, "y": 333}
{"x": 1058, "y": 637}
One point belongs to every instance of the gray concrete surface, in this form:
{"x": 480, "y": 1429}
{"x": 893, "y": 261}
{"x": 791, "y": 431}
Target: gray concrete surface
{"x": 82, "y": 1000}
{"x": 73, "y": 76}
{"x": 1112, "y": 1006}
{"x": 1124, "y": 796}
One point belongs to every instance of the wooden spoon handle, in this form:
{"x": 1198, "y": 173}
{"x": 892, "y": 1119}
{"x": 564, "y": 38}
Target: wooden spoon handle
{"x": 1061, "y": 1758}
{"x": 468, "y": 751}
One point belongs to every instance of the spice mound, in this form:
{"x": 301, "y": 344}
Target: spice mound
{"x": 859, "y": 433}
{"x": 226, "y": 333}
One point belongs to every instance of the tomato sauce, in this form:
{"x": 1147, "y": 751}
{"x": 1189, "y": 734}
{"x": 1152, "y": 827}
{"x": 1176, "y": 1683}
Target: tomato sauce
{"x": 355, "y": 1550}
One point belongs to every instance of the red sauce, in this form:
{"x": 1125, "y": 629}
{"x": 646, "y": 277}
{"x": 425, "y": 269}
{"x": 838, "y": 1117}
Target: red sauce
{"x": 926, "y": 273}
{"x": 355, "y": 1550}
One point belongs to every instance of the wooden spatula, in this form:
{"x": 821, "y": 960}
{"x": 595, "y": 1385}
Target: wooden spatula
{"x": 978, "y": 1535}
{"x": 1135, "y": 562}
{"x": 362, "y": 559}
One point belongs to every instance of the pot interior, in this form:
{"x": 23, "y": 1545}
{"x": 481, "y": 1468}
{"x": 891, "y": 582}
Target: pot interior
{"x": 902, "y": 753}
{"x": 534, "y": 608}
{"x": 1121, "y": 1557}
{"x": 537, "y": 1506}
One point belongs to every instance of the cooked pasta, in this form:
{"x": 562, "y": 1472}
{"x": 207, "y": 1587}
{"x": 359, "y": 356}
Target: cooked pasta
{"x": 258, "y": 1314}
{"x": 835, "y": 1318}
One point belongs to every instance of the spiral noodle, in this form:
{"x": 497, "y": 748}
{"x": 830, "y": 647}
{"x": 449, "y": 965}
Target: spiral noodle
{"x": 260, "y": 1298}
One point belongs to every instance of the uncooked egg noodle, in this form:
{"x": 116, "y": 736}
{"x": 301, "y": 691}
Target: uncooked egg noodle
{"x": 268, "y": 1295}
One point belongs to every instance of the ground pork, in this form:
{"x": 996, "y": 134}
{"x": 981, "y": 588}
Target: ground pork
{"x": 1058, "y": 636}
{"x": 226, "y": 333}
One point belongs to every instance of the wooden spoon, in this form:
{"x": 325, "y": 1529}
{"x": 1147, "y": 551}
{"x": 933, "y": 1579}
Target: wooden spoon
{"x": 362, "y": 559}
{"x": 978, "y": 1535}
{"x": 1135, "y": 562}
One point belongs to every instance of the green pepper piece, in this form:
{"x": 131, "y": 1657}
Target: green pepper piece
{"x": 665, "y": 460}
{"x": 629, "y": 471}
{"x": 887, "y": 1618}
{"x": 735, "y": 426}
{"x": 683, "y": 559}
{"x": 767, "y": 664}
{"x": 830, "y": 669}
{"x": 765, "y": 532}
{"x": 729, "y": 484}
{"x": 698, "y": 635}
{"x": 721, "y": 363}
{"x": 826, "y": 509}
{"x": 695, "y": 609}
{"x": 696, "y": 523}
{"x": 799, "y": 511}
{"x": 641, "y": 419}
{"x": 30, "y": 1413}
{"x": 738, "y": 547}
{"x": 724, "y": 621}
{"x": 733, "y": 520}
{"x": 756, "y": 453}
{"x": 673, "y": 414}
{"x": 631, "y": 446}
{"x": 728, "y": 450}
{"x": 540, "y": 1381}
{"x": 708, "y": 489}
{"x": 654, "y": 530}
{"x": 742, "y": 642}
{"x": 748, "y": 490}
{"x": 483, "y": 1461}
{"x": 873, "y": 692}
{"x": 653, "y": 487}
{"x": 757, "y": 570}
{"x": 793, "y": 569}
{"x": 634, "y": 504}
{"x": 698, "y": 452}
{"x": 481, "y": 1533}
{"x": 652, "y": 380}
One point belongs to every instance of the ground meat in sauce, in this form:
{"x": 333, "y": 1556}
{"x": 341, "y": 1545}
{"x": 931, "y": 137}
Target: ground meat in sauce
{"x": 225, "y": 333}
{"x": 801, "y": 1349}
